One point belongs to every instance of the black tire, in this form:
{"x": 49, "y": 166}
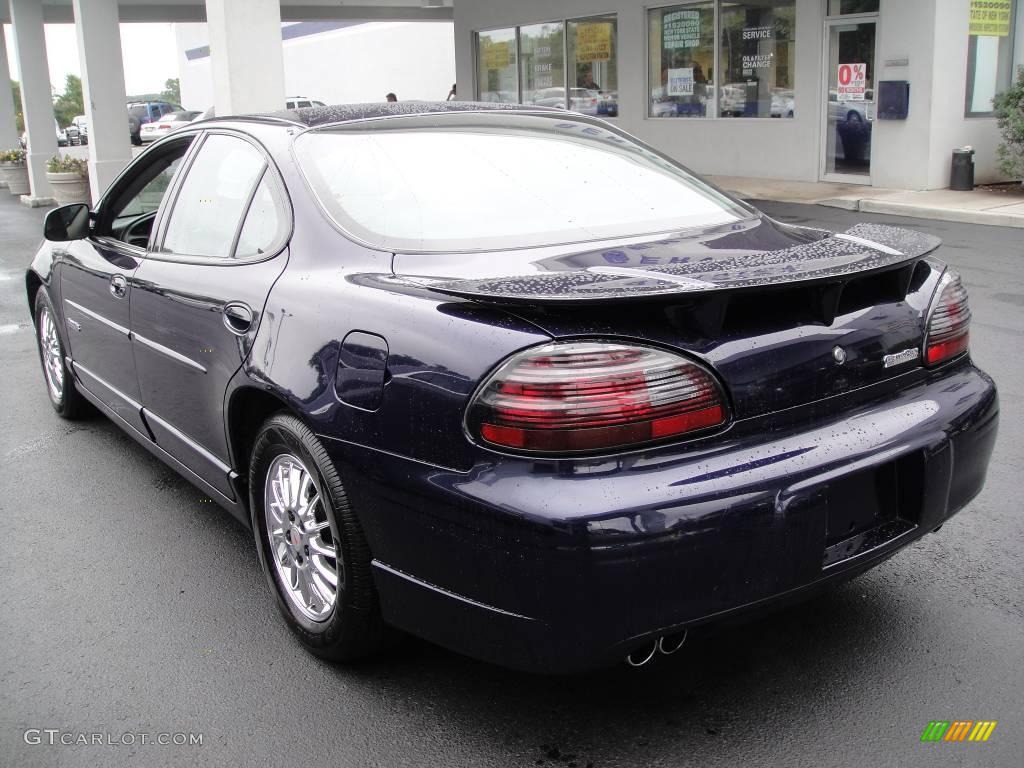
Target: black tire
{"x": 69, "y": 402}
{"x": 135, "y": 130}
{"x": 354, "y": 628}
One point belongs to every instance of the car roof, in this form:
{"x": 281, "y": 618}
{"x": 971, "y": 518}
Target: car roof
{"x": 343, "y": 113}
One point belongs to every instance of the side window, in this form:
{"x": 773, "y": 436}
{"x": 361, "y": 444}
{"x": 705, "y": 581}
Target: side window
{"x": 263, "y": 221}
{"x": 148, "y": 199}
{"x": 304, "y": 104}
{"x": 213, "y": 197}
{"x": 129, "y": 213}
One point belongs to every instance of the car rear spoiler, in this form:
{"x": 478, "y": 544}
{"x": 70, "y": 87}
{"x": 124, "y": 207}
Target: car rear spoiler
{"x": 865, "y": 248}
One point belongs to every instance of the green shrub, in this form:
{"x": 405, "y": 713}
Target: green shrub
{"x": 1009, "y": 109}
{"x": 67, "y": 164}
{"x": 12, "y": 156}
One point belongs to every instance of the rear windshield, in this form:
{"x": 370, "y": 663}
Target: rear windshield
{"x": 464, "y": 182}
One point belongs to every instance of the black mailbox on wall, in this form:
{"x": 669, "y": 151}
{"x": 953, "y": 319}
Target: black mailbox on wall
{"x": 893, "y": 99}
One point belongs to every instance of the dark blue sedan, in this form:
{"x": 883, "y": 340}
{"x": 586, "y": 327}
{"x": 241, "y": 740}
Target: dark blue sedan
{"x": 510, "y": 380}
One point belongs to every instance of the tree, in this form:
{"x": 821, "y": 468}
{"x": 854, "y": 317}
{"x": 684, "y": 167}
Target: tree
{"x": 1009, "y": 110}
{"x": 19, "y": 114}
{"x": 70, "y": 103}
{"x": 172, "y": 91}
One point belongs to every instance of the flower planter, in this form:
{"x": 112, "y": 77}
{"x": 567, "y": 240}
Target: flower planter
{"x": 16, "y": 176}
{"x": 69, "y": 188}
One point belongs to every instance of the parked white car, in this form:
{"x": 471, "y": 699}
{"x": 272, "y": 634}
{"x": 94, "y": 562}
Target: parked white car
{"x": 583, "y": 100}
{"x": 78, "y": 131}
{"x": 298, "y": 102}
{"x": 62, "y": 136}
{"x": 172, "y": 121}
{"x": 852, "y": 111}
{"x": 783, "y": 102}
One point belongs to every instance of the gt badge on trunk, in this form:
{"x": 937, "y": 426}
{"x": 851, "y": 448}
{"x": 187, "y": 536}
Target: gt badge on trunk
{"x": 898, "y": 358}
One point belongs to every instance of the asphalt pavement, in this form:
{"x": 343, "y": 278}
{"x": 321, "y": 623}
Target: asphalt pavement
{"x": 130, "y": 606}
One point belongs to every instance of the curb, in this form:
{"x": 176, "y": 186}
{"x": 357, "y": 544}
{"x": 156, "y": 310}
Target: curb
{"x": 960, "y": 216}
{"x": 945, "y": 214}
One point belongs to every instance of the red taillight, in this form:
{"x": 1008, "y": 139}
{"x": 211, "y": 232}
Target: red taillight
{"x": 948, "y": 327}
{"x": 591, "y": 396}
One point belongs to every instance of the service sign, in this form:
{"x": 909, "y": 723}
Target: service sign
{"x": 853, "y": 82}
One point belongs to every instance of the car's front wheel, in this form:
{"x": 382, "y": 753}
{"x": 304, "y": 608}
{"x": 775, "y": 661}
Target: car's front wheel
{"x": 65, "y": 399}
{"x": 311, "y": 544}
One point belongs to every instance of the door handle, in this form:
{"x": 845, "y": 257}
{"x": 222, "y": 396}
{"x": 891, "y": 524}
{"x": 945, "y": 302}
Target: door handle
{"x": 237, "y": 318}
{"x": 118, "y": 286}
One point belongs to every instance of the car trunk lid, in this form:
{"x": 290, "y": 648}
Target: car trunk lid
{"x": 785, "y": 315}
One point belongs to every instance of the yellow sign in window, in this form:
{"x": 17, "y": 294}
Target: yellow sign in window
{"x": 594, "y": 41}
{"x": 991, "y": 18}
{"x": 496, "y": 55}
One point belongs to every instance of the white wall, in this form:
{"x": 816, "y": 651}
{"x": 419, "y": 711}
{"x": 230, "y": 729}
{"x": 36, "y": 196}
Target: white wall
{"x": 774, "y": 148}
{"x": 949, "y": 128}
{"x": 900, "y": 148}
{"x": 415, "y": 60}
{"x": 906, "y": 154}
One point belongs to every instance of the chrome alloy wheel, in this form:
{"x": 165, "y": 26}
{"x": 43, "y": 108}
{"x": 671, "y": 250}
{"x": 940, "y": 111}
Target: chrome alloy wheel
{"x": 53, "y": 364}
{"x": 301, "y": 543}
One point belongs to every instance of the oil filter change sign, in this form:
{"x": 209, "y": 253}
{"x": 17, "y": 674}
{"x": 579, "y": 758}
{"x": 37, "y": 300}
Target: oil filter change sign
{"x": 990, "y": 18}
{"x": 853, "y": 82}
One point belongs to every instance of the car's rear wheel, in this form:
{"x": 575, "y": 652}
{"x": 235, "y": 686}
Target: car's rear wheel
{"x": 311, "y": 545}
{"x": 65, "y": 399}
{"x": 135, "y": 130}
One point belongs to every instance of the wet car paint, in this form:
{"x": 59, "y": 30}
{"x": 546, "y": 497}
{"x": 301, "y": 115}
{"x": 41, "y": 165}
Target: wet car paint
{"x": 562, "y": 564}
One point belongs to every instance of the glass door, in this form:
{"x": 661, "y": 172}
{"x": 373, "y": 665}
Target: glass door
{"x": 849, "y": 100}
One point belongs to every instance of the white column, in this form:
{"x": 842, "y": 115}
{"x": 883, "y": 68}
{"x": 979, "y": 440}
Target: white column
{"x": 246, "y": 55}
{"x": 36, "y": 99}
{"x": 8, "y": 127}
{"x": 99, "y": 51}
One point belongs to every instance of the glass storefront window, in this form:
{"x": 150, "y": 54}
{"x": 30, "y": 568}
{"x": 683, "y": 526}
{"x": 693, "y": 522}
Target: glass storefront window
{"x": 758, "y": 53}
{"x": 542, "y": 64}
{"x": 593, "y": 68}
{"x": 497, "y": 68}
{"x": 989, "y": 54}
{"x": 846, "y": 7}
{"x": 682, "y": 60}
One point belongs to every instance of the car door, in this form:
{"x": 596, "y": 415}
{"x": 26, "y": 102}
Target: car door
{"x": 96, "y": 280}
{"x": 198, "y": 297}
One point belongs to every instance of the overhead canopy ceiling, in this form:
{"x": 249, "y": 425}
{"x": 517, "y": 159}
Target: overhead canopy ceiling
{"x": 60, "y": 11}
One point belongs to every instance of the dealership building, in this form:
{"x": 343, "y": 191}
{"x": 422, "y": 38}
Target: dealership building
{"x": 873, "y": 92}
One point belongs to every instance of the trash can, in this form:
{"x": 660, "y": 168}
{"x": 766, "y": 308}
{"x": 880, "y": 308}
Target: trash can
{"x": 962, "y": 176}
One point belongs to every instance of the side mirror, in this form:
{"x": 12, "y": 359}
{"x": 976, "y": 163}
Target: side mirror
{"x": 69, "y": 222}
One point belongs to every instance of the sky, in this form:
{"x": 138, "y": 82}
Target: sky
{"x": 149, "y": 54}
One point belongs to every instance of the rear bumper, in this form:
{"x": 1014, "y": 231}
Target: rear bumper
{"x": 567, "y": 565}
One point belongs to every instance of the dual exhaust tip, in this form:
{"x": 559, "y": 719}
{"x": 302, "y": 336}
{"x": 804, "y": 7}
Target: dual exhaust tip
{"x": 665, "y": 645}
